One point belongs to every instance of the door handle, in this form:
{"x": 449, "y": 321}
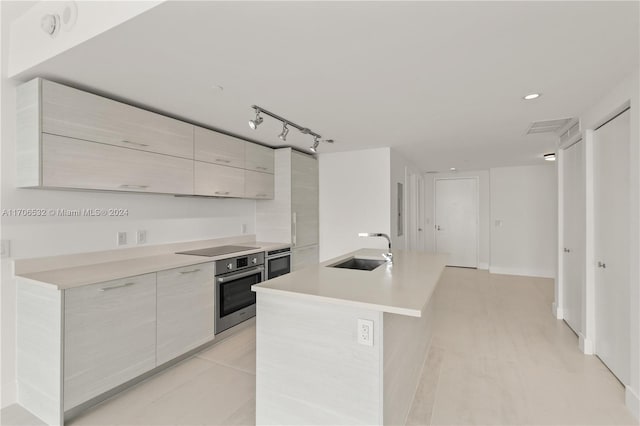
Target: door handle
{"x": 437, "y": 227}
{"x": 566, "y": 250}
{"x": 602, "y": 265}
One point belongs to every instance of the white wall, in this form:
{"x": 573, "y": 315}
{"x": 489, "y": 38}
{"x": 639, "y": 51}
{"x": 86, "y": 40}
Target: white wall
{"x": 166, "y": 219}
{"x": 524, "y": 220}
{"x": 354, "y": 197}
{"x": 484, "y": 203}
{"x": 627, "y": 92}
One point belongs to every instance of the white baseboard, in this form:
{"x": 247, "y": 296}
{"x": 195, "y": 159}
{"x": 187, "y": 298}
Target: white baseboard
{"x": 586, "y": 345}
{"x": 483, "y": 266}
{"x": 557, "y": 311}
{"x": 521, "y": 272}
{"x": 632, "y": 402}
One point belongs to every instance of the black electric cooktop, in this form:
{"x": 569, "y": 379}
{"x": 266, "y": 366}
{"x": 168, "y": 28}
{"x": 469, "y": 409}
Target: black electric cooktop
{"x": 217, "y": 251}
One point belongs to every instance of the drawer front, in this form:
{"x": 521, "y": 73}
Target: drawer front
{"x": 185, "y": 310}
{"x": 218, "y": 181}
{"x": 218, "y": 148}
{"x": 258, "y": 158}
{"x": 258, "y": 185}
{"x": 72, "y": 163}
{"x": 78, "y": 114}
{"x": 109, "y": 335}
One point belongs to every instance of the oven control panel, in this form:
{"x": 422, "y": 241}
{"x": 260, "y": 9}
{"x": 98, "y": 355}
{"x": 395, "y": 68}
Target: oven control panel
{"x": 239, "y": 262}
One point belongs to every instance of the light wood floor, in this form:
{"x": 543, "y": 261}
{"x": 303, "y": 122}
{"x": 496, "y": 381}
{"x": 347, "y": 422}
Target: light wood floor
{"x": 498, "y": 357}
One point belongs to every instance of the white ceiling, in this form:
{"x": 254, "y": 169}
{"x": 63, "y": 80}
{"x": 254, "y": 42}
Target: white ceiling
{"x": 439, "y": 81}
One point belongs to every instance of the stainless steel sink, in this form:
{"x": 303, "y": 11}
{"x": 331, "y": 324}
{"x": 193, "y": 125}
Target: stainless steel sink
{"x": 356, "y": 263}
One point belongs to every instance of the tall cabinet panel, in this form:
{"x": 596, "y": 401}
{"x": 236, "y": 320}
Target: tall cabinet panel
{"x": 574, "y": 235}
{"x": 292, "y": 216}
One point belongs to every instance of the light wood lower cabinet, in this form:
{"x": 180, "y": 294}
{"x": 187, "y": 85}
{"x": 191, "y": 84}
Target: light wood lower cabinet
{"x": 218, "y": 181}
{"x": 71, "y": 163}
{"x": 109, "y": 336}
{"x": 301, "y": 257}
{"x": 185, "y": 310}
{"x": 258, "y": 185}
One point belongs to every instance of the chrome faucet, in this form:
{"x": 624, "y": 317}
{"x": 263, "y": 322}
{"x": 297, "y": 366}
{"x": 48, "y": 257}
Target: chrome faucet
{"x": 389, "y": 255}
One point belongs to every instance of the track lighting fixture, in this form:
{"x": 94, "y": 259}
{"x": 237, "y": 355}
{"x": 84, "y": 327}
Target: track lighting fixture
{"x": 256, "y": 121}
{"x": 286, "y": 124}
{"x": 314, "y": 147}
{"x": 285, "y": 132}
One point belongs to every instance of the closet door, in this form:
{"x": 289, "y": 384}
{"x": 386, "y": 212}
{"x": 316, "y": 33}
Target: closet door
{"x": 574, "y": 234}
{"x": 611, "y": 250}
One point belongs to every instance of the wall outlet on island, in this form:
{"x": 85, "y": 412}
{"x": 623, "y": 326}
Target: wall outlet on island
{"x": 365, "y": 332}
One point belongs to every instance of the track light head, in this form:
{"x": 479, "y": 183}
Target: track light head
{"x": 256, "y": 121}
{"x": 314, "y": 147}
{"x": 285, "y": 132}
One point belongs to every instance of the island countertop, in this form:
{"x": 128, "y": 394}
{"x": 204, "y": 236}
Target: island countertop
{"x": 403, "y": 287}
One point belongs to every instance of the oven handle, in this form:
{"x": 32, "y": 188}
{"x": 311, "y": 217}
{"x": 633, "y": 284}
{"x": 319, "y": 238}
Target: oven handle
{"x": 243, "y": 274}
{"x": 278, "y": 256}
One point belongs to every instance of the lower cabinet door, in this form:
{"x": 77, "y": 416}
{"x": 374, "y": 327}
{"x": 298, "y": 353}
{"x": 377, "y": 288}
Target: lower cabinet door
{"x": 301, "y": 257}
{"x": 109, "y": 335}
{"x": 185, "y": 310}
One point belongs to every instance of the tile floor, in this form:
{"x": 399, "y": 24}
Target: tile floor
{"x": 498, "y": 357}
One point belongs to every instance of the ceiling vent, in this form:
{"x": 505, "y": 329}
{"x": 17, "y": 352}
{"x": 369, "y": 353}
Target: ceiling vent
{"x": 548, "y": 126}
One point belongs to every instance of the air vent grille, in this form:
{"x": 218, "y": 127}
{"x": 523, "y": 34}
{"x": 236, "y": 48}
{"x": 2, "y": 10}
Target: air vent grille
{"x": 548, "y": 126}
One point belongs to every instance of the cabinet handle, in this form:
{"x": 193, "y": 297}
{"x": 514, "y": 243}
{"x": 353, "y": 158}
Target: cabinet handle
{"x": 566, "y": 250}
{"x": 221, "y": 192}
{"x": 117, "y": 286}
{"x": 222, "y": 160}
{"x": 295, "y": 228}
{"x": 261, "y": 168}
{"x": 190, "y": 272}
{"x": 135, "y": 143}
{"x": 134, "y": 186}
{"x": 602, "y": 265}
{"x": 261, "y": 195}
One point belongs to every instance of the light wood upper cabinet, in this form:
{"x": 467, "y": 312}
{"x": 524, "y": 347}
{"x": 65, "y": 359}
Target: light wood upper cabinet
{"x": 77, "y": 114}
{"x": 218, "y": 181}
{"x": 258, "y": 158}
{"x": 185, "y": 312}
{"x": 218, "y": 148}
{"x": 109, "y": 335}
{"x": 258, "y": 185}
{"x": 72, "y": 163}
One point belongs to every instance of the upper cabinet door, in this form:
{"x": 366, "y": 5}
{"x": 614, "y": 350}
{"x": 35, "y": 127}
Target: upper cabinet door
{"x": 218, "y": 148}
{"x": 258, "y": 158}
{"x": 218, "y": 181}
{"x": 258, "y": 185}
{"x": 81, "y": 115}
{"x": 72, "y": 163}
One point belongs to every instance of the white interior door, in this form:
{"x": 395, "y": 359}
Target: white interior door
{"x": 611, "y": 248}
{"x": 456, "y": 221}
{"x": 415, "y": 211}
{"x": 574, "y": 226}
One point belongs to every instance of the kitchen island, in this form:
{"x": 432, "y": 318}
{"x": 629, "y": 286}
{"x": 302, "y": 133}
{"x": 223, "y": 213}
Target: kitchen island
{"x": 318, "y": 362}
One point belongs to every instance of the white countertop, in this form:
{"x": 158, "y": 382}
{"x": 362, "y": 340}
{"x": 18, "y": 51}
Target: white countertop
{"x": 65, "y": 278}
{"x": 401, "y": 288}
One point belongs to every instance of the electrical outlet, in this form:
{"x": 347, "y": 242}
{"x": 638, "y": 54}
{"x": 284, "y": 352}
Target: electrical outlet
{"x": 142, "y": 236}
{"x": 365, "y": 332}
{"x": 122, "y": 238}
{"x": 5, "y": 250}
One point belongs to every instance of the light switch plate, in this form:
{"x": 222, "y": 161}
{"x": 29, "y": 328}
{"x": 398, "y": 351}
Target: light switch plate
{"x": 122, "y": 238}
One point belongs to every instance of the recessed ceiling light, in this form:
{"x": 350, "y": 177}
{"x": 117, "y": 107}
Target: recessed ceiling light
{"x": 550, "y": 157}
{"x": 531, "y": 96}
{"x": 453, "y": 169}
